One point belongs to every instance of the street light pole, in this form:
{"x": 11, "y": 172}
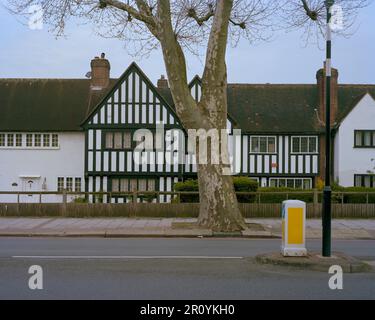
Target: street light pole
{"x": 327, "y": 194}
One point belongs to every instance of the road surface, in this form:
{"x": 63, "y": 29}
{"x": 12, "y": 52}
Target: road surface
{"x": 97, "y": 268}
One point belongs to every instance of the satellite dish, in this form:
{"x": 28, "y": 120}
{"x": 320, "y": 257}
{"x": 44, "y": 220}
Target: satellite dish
{"x": 88, "y": 75}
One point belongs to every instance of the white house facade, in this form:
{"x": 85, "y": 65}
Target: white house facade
{"x": 355, "y": 145}
{"x": 48, "y": 162}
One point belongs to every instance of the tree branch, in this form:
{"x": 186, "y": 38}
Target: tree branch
{"x": 242, "y": 25}
{"x": 200, "y": 20}
{"x": 175, "y": 63}
{"x": 142, "y": 15}
{"x": 313, "y": 15}
{"x": 215, "y": 69}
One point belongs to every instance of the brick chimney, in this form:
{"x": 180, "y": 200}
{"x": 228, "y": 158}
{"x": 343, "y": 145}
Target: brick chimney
{"x": 321, "y": 81}
{"x": 163, "y": 83}
{"x": 100, "y": 70}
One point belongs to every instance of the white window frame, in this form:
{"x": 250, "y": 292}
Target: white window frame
{"x": 40, "y": 142}
{"x": 17, "y": 136}
{"x": 78, "y": 184}
{"x": 48, "y": 136}
{"x": 29, "y": 135}
{"x": 308, "y": 145}
{"x": 55, "y": 138}
{"x": 259, "y": 152}
{"x": 3, "y": 140}
{"x": 286, "y": 182}
{"x": 60, "y": 186}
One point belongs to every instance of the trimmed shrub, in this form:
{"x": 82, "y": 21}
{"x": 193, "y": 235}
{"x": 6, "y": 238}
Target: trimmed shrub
{"x": 241, "y": 184}
{"x": 275, "y": 195}
{"x": 245, "y": 184}
{"x": 356, "y": 198}
{"x": 188, "y": 186}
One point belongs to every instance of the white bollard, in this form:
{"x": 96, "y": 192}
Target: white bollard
{"x": 293, "y": 229}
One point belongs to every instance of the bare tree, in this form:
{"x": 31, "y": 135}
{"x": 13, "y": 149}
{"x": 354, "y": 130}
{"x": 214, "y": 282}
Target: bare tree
{"x": 179, "y": 25}
{"x": 310, "y": 16}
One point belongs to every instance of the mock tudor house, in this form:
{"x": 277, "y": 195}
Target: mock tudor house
{"x": 80, "y": 135}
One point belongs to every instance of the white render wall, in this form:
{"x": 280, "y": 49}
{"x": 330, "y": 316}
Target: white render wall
{"x": 349, "y": 160}
{"x": 21, "y": 165}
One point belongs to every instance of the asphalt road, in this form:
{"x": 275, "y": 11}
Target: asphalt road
{"x": 88, "y": 268}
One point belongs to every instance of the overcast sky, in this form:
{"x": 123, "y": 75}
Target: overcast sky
{"x": 25, "y": 53}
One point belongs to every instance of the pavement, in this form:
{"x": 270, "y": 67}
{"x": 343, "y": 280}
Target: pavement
{"x": 170, "y": 268}
{"x": 125, "y": 227}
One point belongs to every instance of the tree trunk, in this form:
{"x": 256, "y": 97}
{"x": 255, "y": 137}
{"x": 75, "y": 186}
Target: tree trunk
{"x": 218, "y": 203}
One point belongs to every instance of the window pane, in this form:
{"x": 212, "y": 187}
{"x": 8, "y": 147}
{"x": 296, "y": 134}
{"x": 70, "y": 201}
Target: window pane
{"x": 282, "y": 183}
{"x": 367, "y": 181}
{"x": 127, "y": 140}
{"x": 290, "y": 183}
{"x": 115, "y": 185}
{"x": 307, "y": 184}
{"x": 10, "y": 140}
{"x": 271, "y": 145}
{"x": 133, "y": 185}
{"x": 296, "y": 146}
{"x": 46, "y": 140}
{"x": 118, "y": 140}
{"x": 273, "y": 183}
{"x": 313, "y": 145}
{"x": 29, "y": 140}
{"x": 38, "y": 140}
{"x": 124, "y": 185}
{"x": 151, "y": 185}
{"x": 109, "y": 140}
{"x": 358, "y": 138}
{"x": 78, "y": 185}
{"x": 373, "y": 138}
{"x": 142, "y": 185}
{"x": 298, "y": 184}
{"x": 263, "y": 144}
{"x": 358, "y": 181}
{"x": 69, "y": 184}
{"x": 60, "y": 184}
{"x": 367, "y": 138}
{"x": 304, "y": 145}
{"x": 55, "y": 140}
{"x": 19, "y": 140}
{"x": 2, "y": 140}
{"x": 254, "y": 144}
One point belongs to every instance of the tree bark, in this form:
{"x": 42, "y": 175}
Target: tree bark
{"x": 218, "y": 203}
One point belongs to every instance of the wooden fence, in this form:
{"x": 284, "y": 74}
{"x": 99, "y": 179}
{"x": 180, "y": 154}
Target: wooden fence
{"x": 135, "y": 208}
{"x": 173, "y": 210}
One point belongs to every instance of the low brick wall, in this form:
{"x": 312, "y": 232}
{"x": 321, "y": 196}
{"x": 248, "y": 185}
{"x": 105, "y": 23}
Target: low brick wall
{"x": 173, "y": 210}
